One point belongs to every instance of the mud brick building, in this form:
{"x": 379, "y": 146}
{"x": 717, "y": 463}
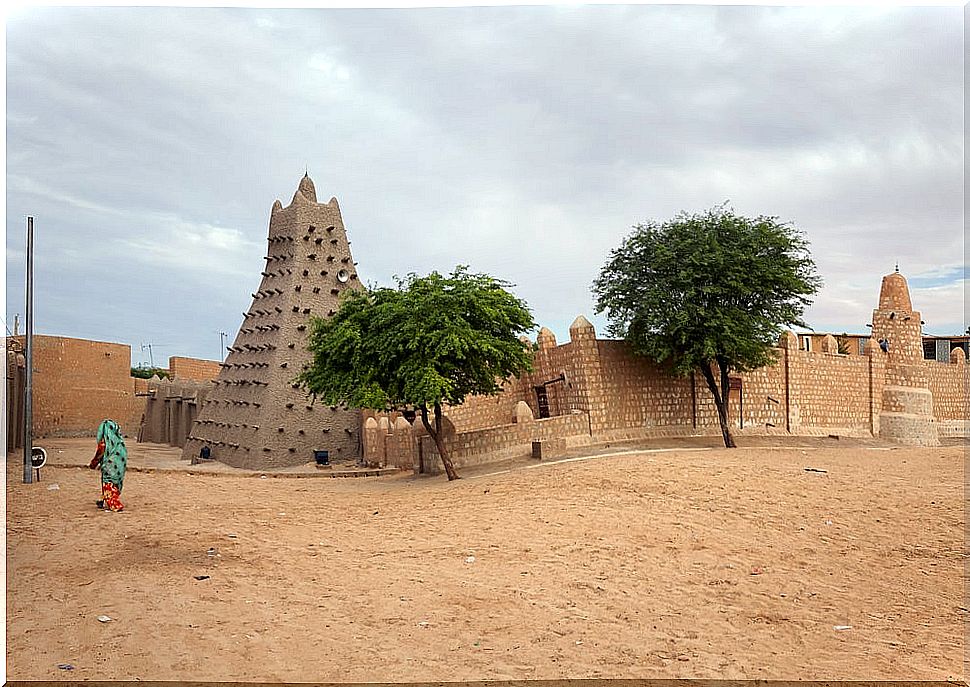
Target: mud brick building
{"x": 254, "y": 415}
{"x": 590, "y": 390}
{"x": 171, "y": 408}
{"x": 78, "y": 383}
{"x": 193, "y": 369}
{"x": 250, "y": 413}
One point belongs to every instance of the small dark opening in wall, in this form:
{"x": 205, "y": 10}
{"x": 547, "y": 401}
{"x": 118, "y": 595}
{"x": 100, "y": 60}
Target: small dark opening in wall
{"x": 321, "y": 457}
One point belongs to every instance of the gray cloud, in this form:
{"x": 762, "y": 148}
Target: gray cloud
{"x": 524, "y": 141}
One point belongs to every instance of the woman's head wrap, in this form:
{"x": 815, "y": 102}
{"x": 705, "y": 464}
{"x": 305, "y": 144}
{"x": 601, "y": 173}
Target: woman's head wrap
{"x": 110, "y": 433}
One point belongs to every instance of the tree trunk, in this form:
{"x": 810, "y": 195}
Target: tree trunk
{"x": 435, "y": 433}
{"x": 720, "y": 400}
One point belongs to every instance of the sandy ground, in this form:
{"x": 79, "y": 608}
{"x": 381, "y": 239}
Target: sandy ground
{"x": 706, "y": 564}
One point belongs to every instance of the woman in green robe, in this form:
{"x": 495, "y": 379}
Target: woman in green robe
{"x": 112, "y": 456}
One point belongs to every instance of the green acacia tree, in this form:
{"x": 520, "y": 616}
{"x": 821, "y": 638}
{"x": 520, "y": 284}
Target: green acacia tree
{"x": 709, "y": 292}
{"x": 430, "y": 342}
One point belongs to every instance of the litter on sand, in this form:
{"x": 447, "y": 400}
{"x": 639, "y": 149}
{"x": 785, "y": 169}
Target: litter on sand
{"x": 53, "y": 487}
{"x": 841, "y": 627}
{"x": 202, "y": 577}
{"x": 470, "y": 559}
{"x": 815, "y": 470}
{"x": 104, "y": 618}
{"x": 65, "y": 666}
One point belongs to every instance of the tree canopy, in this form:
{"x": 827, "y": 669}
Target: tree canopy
{"x": 429, "y": 342}
{"x": 706, "y": 289}
{"x": 148, "y": 372}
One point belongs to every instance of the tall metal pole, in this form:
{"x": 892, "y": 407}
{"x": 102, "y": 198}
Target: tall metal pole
{"x": 28, "y": 356}
{"x": 151, "y": 358}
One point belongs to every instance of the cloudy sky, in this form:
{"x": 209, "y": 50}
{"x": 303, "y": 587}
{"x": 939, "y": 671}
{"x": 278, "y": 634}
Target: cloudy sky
{"x": 150, "y": 144}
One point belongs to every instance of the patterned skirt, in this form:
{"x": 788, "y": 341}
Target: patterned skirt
{"x": 111, "y": 494}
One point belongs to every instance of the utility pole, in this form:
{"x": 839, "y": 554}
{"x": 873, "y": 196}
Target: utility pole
{"x": 151, "y": 359}
{"x": 28, "y": 356}
{"x": 16, "y": 324}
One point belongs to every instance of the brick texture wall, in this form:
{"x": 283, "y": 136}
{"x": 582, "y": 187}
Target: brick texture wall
{"x": 627, "y": 397}
{"x": 479, "y": 412}
{"x": 495, "y": 444}
{"x": 950, "y": 385}
{"x": 634, "y": 393}
{"x": 762, "y": 399}
{"x": 607, "y": 394}
{"x": 193, "y": 369}
{"x": 77, "y": 383}
{"x": 622, "y": 396}
{"x": 565, "y": 396}
{"x": 829, "y": 392}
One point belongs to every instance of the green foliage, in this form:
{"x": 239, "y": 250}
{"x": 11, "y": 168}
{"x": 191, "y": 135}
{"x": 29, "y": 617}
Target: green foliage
{"x": 707, "y": 287}
{"x": 431, "y": 340}
{"x": 843, "y": 344}
{"x": 149, "y": 372}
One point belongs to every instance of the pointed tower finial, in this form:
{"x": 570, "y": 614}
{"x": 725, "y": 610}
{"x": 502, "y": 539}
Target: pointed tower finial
{"x": 897, "y": 267}
{"x": 306, "y": 189}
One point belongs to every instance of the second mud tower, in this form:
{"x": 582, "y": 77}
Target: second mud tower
{"x": 255, "y": 416}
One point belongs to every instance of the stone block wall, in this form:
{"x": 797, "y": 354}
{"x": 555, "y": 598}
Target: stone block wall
{"x": 634, "y": 393}
{"x": 550, "y": 362}
{"x": 829, "y": 393}
{"x": 496, "y": 444}
{"x": 479, "y": 412}
{"x": 949, "y": 383}
{"x": 950, "y": 386}
{"x": 629, "y": 397}
{"x": 78, "y": 383}
{"x": 802, "y": 393}
{"x": 762, "y": 399}
{"x": 621, "y": 396}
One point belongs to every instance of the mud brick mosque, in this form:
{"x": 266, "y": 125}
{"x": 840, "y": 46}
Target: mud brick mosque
{"x": 255, "y": 414}
{"x": 583, "y": 391}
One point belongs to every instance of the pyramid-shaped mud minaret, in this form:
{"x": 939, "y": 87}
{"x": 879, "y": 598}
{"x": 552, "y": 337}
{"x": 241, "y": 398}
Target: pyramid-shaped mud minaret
{"x": 255, "y": 416}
